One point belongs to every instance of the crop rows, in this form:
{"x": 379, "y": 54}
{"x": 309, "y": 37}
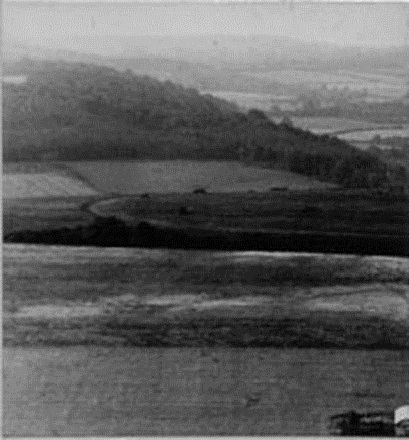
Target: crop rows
{"x": 22, "y": 185}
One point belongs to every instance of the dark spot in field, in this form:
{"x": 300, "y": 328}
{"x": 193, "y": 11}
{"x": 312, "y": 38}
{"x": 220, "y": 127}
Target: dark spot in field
{"x": 215, "y": 359}
{"x": 283, "y": 188}
{"x": 186, "y": 210}
{"x": 251, "y": 400}
{"x": 145, "y": 196}
{"x": 200, "y": 191}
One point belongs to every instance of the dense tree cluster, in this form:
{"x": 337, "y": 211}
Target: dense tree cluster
{"x": 77, "y": 111}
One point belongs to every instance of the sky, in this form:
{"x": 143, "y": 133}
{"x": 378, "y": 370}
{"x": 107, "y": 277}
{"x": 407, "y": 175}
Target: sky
{"x": 63, "y": 24}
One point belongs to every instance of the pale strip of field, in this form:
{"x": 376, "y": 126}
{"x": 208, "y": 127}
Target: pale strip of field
{"x": 229, "y": 95}
{"x": 350, "y": 78}
{"x": 393, "y": 76}
{"x": 85, "y": 255}
{"x": 31, "y": 167}
{"x": 21, "y": 79}
{"x": 374, "y": 299}
{"x": 323, "y": 125}
{"x": 33, "y": 185}
{"x": 369, "y": 134}
{"x": 133, "y": 177}
{"x": 386, "y": 87}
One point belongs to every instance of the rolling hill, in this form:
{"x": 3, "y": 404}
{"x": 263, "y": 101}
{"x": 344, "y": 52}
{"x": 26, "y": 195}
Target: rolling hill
{"x": 78, "y": 111}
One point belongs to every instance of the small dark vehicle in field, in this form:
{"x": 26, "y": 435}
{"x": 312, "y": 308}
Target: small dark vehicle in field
{"x": 373, "y": 424}
{"x": 199, "y": 191}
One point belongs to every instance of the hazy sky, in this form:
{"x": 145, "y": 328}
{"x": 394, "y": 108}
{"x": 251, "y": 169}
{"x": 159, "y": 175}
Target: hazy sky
{"x": 52, "y": 24}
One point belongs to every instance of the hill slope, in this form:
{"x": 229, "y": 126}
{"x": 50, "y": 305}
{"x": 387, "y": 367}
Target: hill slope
{"x": 77, "y": 111}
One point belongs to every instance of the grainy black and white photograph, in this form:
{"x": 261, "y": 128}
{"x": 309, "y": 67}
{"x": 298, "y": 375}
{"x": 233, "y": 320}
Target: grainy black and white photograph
{"x": 205, "y": 218}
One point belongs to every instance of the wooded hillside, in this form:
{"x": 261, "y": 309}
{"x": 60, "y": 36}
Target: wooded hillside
{"x": 77, "y": 111}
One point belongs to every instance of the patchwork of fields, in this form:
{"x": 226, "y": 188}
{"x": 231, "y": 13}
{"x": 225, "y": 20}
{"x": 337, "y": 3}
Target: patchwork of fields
{"x": 79, "y": 179}
{"x": 150, "y": 340}
{"x": 238, "y": 197}
{"x": 390, "y": 86}
{"x": 217, "y": 343}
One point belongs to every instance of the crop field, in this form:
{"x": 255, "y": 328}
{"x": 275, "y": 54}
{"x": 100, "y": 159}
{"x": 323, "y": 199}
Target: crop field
{"x": 20, "y": 186}
{"x": 136, "y": 177}
{"x": 42, "y": 180}
{"x": 330, "y": 211}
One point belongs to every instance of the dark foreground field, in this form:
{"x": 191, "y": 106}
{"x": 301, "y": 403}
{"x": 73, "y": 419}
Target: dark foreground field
{"x": 306, "y": 221}
{"x": 339, "y": 211}
{"x": 320, "y": 211}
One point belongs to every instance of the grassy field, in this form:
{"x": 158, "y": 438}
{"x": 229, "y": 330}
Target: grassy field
{"x": 79, "y": 179}
{"x": 97, "y": 391}
{"x": 342, "y": 211}
{"x": 69, "y": 296}
{"x": 320, "y": 211}
{"x": 44, "y": 213}
{"x": 136, "y": 177}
